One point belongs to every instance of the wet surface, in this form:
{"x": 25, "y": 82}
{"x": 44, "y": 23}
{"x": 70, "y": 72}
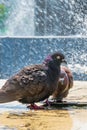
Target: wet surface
{"x": 15, "y": 116}
{"x": 79, "y": 118}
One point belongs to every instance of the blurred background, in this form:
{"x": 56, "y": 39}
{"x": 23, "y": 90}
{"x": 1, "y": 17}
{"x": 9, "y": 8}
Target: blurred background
{"x": 15, "y": 53}
{"x": 43, "y": 17}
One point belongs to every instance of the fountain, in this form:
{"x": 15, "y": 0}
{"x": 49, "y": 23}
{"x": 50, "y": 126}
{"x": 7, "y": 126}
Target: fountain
{"x": 44, "y": 18}
{"x": 21, "y": 52}
{"x": 20, "y": 18}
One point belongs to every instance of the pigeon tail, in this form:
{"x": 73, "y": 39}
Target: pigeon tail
{"x": 6, "y": 97}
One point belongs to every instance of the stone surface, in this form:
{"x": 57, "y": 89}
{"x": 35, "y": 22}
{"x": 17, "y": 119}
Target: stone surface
{"x": 79, "y": 92}
{"x": 69, "y": 118}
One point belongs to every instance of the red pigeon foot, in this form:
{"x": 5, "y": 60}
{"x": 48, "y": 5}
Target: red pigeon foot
{"x": 35, "y": 107}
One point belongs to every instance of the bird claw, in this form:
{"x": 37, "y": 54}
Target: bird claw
{"x": 35, "y": 107}
{"x": 48, "y": 102}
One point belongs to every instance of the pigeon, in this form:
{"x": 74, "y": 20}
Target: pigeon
{"x": 65, "y": 82}
{"x": 33, "y": 83}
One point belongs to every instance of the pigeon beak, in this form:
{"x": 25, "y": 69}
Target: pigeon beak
{"x": 64, "y": 61}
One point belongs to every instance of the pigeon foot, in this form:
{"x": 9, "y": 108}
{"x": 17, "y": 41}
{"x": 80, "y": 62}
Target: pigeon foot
{"x": 35, "y": 107}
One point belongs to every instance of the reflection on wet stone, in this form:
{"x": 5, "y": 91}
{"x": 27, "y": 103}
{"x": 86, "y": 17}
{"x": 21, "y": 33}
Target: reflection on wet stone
{"x": 7, "y": 128}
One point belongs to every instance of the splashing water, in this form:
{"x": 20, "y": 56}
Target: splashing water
{"x": 58, "y": 17}
{"x": 19, "y": 52}
{"x": 20, "y": 20}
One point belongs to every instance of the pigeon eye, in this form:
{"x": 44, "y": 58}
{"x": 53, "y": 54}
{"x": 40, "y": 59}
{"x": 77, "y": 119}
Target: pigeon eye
{"x": 58, "y": 57}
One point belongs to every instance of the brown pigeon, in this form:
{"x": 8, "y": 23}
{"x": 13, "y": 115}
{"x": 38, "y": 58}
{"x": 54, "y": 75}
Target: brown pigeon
{"x": 65, "y": 82}
{"x": 33, "y": 83}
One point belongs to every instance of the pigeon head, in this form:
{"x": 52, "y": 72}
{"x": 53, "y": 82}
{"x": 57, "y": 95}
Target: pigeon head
{"x": 56, "y": 57}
